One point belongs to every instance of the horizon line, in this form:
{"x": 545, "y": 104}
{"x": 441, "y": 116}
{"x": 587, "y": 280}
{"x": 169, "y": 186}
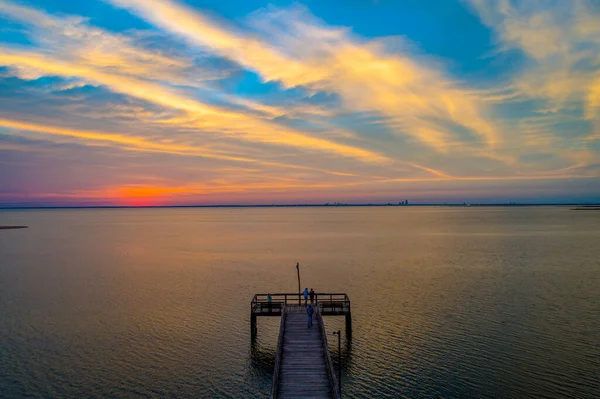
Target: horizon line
{"x": 324, "y": 205}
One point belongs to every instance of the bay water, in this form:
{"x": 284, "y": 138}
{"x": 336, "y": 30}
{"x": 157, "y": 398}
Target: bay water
{"x": 451, "y": 302}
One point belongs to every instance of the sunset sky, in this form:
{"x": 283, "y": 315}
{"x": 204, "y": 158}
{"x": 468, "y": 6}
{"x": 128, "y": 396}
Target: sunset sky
{"x": 179, "y": 102}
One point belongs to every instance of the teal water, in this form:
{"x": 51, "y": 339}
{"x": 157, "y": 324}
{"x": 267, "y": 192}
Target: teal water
{"x": 447, "y": 302}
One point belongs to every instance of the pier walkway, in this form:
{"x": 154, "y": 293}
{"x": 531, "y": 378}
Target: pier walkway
{"x": 303, "y": 367}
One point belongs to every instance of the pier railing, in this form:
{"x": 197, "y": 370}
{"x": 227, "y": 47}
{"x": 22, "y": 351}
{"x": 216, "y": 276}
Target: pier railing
{"x": 328, "y": 303}
{"x": 279, "y": 354}
{"x": 328, "y": 363}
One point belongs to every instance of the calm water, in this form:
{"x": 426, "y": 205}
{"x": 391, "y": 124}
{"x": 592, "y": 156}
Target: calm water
{"x": 453, "y": 303}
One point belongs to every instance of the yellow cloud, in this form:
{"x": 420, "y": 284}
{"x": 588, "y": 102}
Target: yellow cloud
{"x": 129, "y": 142}
{"x": 321, "y": 59}
{"x": 240, "y": 125}
{"x": 593, "y": 108}
{"x": 138, "y": 143}
{"x": 246, "y": 50}
{"x": 93, "y": 47}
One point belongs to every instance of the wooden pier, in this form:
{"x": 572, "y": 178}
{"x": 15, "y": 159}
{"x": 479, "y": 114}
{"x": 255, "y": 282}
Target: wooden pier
{"x": 303, "y": 367}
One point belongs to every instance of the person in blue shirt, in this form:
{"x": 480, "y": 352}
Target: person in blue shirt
{"x": 305, "y": 293}
{"x": 309, "y": 313}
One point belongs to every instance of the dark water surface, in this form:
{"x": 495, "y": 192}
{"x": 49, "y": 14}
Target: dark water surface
{"x": 447, "y": 302}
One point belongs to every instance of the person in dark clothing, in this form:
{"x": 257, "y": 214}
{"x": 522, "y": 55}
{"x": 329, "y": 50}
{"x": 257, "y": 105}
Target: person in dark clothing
{"x": 309, "y": 313}
{"x": 312, "y": 295}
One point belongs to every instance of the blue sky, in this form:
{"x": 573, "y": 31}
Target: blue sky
{"x": 134, "y": 102}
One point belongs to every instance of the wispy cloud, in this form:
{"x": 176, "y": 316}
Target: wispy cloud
{"x": 561, "y": 41}
{"x": 140, "y": 143}
{"x": 78, "y": 42}
{"x": 417, "y": 100}
{"x": 205, "y": 116}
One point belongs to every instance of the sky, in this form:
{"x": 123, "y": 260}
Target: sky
{"x": 198, "y": 102}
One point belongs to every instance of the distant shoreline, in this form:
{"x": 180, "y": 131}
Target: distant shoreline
{"x": 578, "y": 206}
{"x": 12, "y": 227}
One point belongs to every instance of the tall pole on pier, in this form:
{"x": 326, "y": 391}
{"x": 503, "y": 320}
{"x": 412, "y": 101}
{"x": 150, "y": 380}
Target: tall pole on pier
{"x": 299, "y": 289}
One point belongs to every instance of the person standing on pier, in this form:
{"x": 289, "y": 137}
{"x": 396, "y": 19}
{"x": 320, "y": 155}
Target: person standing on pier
{"x": 312, "y": 295}
{"x": 309, "y": 313}
{"x": 305, "y": 293}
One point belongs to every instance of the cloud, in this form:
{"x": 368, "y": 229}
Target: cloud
{"x": 206, "y": 117}
{"x": 270, "y": 169}
{"x": 558, "y": 79}
{"x": 301, "y": 51}
{"x": 78, "y": 42}
{"x": 561, "y": 41}
{"x": 128, "y": 142}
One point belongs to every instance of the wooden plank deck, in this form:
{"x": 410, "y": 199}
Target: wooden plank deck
{"x": 303, "y": 370}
